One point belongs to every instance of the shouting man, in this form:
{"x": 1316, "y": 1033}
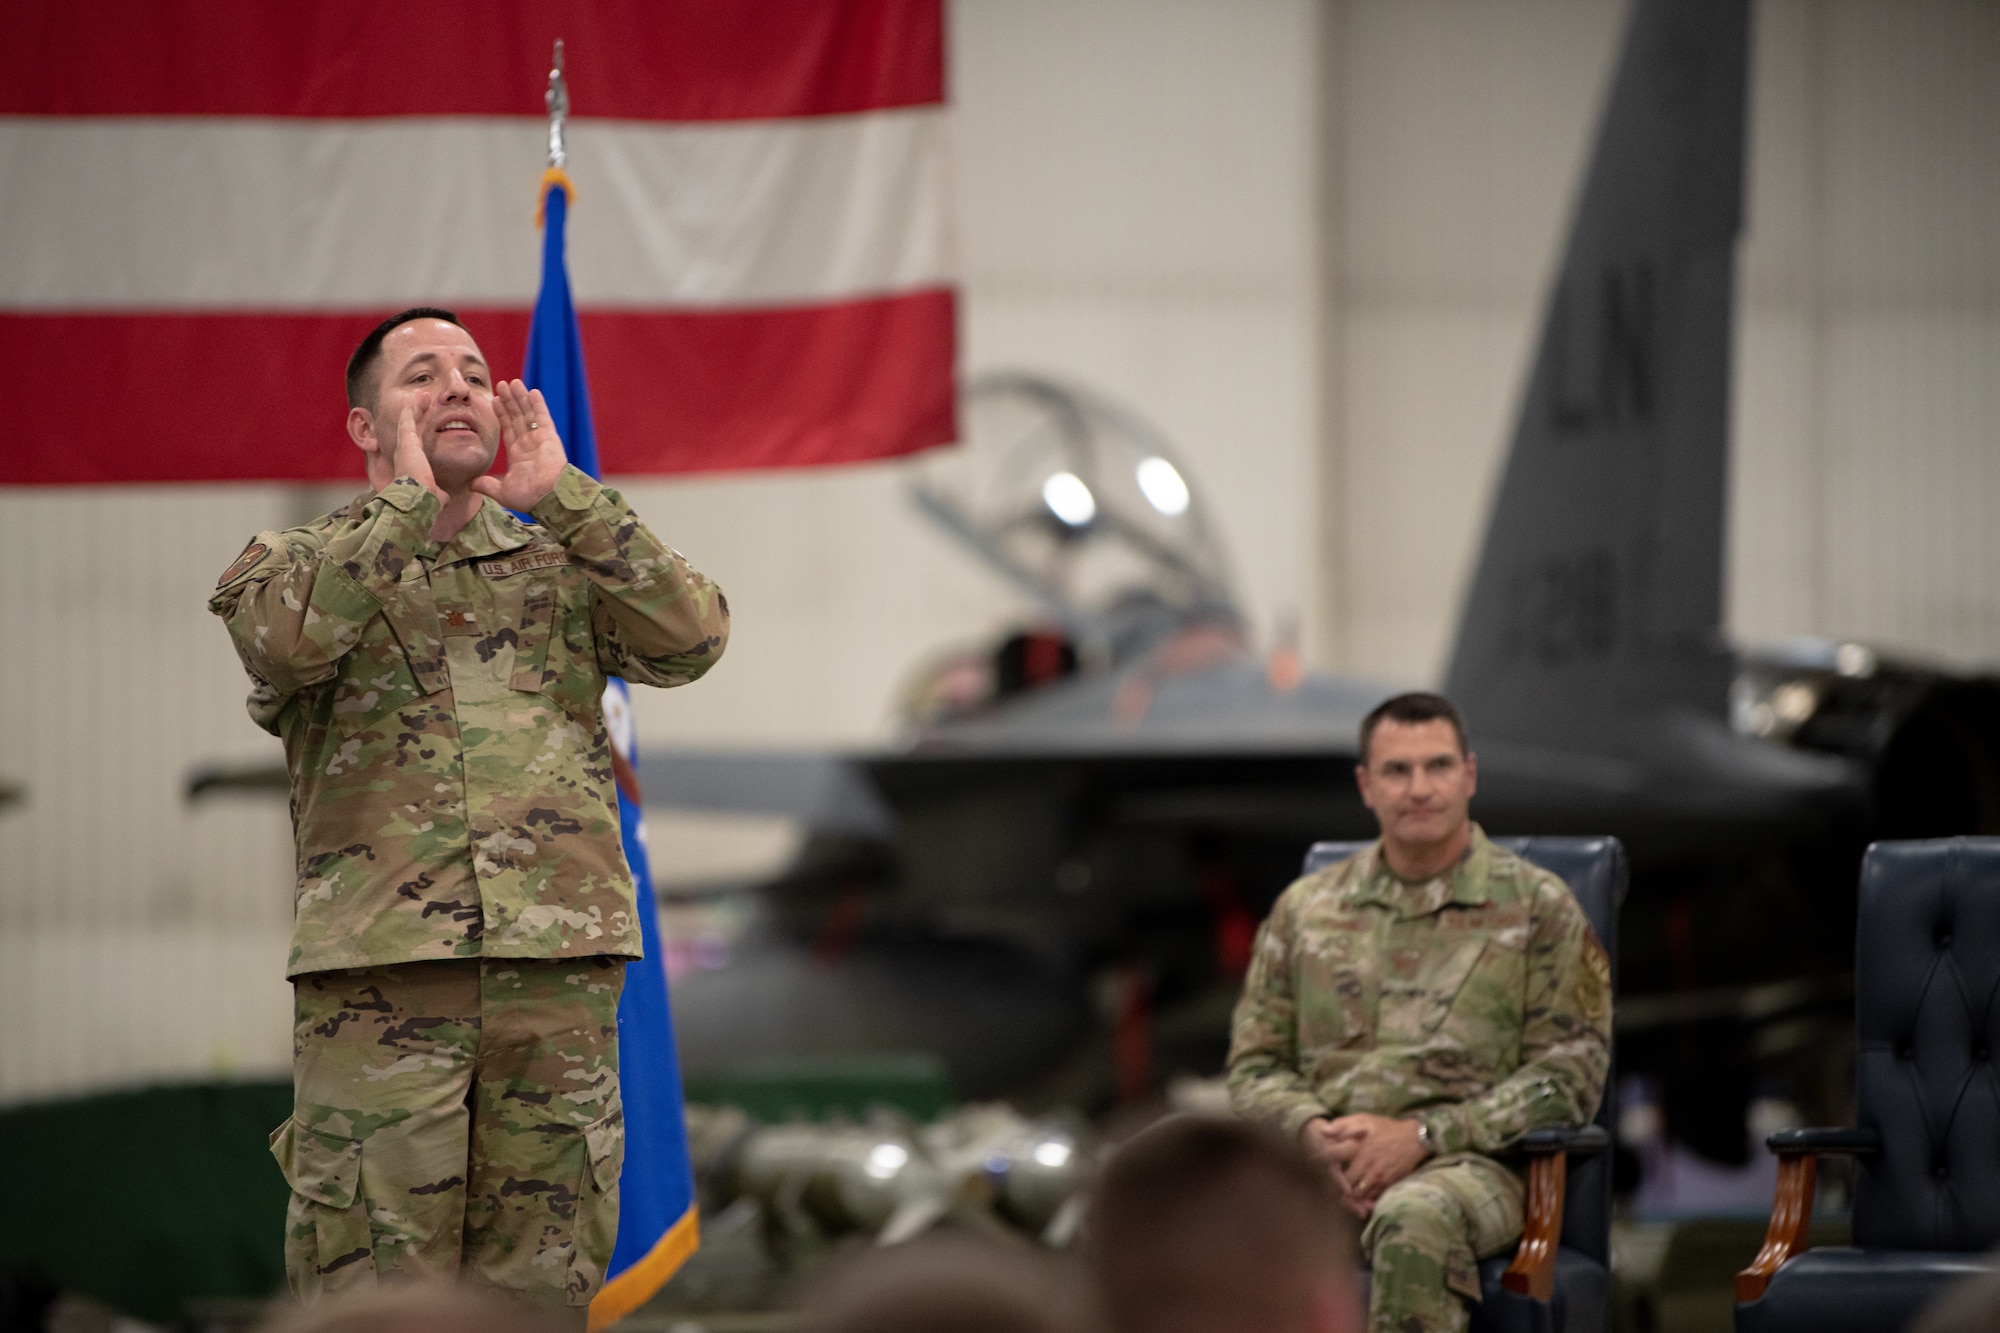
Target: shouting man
{"x": 1414, "y": 1010}
{"x": 464, "y": 914}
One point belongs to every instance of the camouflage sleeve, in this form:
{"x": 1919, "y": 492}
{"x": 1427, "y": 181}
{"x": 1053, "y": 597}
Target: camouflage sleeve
{"x": 1265, "y": 1084}
{"x": 295, "y": 606}
{"x": 1565, "y": 1039}
{"x": 658, "y": 620}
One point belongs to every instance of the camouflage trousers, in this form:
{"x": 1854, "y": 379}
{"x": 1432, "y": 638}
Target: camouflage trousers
{"x": 455, "y": 1119}
{"x": 1424, "y": 1241}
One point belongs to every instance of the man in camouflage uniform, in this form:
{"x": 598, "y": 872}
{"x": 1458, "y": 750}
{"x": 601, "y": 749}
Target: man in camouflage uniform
{"x": 1414, "y": 1010}
{"x": 464, "y": 913}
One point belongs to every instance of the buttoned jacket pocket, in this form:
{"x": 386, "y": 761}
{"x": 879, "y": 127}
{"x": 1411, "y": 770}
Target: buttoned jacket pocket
{"x": 1486, "y": 1013}
{"x": 374, "y": 680}
{"x": 398, "y": 660}
{"x": 536, "y": 620}
{"x": 570, "y": 673}
{"x": 1338, "y": 989}
{"x": 1423, "y": 986}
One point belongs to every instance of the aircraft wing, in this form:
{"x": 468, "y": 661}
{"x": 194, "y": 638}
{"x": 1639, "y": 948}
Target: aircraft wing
{"x": 825, "y": 791}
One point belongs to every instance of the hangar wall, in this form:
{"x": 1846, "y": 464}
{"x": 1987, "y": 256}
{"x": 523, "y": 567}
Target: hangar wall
{"x": 1308, "y": 239}
{"x": 1868, "y": 417}
{"x": 139, "y": 937}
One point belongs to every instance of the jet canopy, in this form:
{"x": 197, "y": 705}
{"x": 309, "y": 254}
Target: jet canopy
{"x": 1083, "y": 506}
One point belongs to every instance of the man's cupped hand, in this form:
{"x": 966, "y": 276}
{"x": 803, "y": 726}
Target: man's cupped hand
{"x": 535, "y": 455}
{"x": 410, "y": 459}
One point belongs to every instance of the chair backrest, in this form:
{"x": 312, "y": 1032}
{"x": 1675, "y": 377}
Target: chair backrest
{"x": 1595, "y": 870}
{"x": 1926, "y": 986}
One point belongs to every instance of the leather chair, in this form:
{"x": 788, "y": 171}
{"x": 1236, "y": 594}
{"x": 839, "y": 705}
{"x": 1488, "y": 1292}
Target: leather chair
{"x": 1559, "y": 1277}
{"x": 1926, "y": 1096}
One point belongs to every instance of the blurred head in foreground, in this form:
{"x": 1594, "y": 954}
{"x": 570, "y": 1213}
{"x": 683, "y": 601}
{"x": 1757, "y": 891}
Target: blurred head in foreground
{"x": 942, "y": 1284}
{"x": 414, "y": 1307}
{"x": 1208, "y": 1223}
{"x": 1971, "y": 1305}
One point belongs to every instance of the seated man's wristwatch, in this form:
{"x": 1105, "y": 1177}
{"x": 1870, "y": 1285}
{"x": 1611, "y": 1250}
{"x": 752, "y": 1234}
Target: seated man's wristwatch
{"x": 1424, "y": 1137}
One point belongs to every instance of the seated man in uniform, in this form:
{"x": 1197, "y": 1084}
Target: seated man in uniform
{"x": 1412, "y": 1011}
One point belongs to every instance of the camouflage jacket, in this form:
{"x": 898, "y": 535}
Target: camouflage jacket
{"x": 1478, "y": 1003}
{"x": 440, "y": 705}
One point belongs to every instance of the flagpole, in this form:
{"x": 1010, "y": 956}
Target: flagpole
{"x": 557, "y": 100}
{"x": 659, "y": 1222}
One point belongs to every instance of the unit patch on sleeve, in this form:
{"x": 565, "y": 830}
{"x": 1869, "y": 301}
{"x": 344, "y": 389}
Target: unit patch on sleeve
{"x": 252, "y": 553}
{"x": 543, "y": 558}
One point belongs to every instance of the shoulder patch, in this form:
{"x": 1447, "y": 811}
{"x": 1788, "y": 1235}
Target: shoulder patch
{"x": 1597, "y": 965}
{"x": 252, "y": 553}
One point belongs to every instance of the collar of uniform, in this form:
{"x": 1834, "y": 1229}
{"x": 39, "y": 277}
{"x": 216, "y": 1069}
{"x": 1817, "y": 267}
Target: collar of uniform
{"x": 492, "y": 530}
{"x": 1465, "y": 884}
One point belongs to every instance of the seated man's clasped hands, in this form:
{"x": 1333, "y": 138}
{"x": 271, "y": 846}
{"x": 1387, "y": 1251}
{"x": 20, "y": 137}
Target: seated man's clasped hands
{"x": 1365, "y": 1153}
{"x": 1413, "y": 1011}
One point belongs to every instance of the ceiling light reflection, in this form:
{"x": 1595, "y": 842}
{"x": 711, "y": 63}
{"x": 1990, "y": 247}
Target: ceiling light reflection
{"x": 1166, "y": 490}
{"x": 1069, "y": 499}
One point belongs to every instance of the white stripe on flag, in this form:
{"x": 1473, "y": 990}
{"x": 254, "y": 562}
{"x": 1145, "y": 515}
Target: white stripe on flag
{"x": 129, "y": 213}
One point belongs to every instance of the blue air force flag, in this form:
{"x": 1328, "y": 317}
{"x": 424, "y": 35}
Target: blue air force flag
{"x": 657, "y": 1228}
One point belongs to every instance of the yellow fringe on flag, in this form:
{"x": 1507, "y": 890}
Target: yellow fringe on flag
{"x": 635, "y": 1286}
{"x": 551, "y": 178}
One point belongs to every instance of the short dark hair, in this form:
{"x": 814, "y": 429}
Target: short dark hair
{"x": 942, "y": 1283}
{"x": 1416, "y": 706}
{"x": 361, "y": 366}
{"x": 1208, "y": 1221}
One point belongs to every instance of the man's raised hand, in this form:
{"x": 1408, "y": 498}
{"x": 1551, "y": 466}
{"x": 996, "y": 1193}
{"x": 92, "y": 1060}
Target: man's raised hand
{"x": 410, "y": 460}
{"x": 535, "y": 454}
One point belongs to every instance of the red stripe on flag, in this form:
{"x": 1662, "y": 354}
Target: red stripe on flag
{"x": 217, "y": 397}
{"x": 771, "y": 388}
{"x": 626, "y": 59}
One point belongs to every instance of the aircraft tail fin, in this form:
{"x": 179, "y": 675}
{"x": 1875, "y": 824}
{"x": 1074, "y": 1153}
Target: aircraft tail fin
{"x": 1599, "y": 588}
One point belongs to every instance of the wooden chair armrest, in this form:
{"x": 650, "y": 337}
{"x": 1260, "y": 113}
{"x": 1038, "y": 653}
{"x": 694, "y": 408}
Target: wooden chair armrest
{"x": 1848, "y": 1140}
{"x": 1798, "y": 1153}
{"x": 1791, "y": 1216}
{"x": 1533, "y": 1272}
{"x": 1577, "y": 1141}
